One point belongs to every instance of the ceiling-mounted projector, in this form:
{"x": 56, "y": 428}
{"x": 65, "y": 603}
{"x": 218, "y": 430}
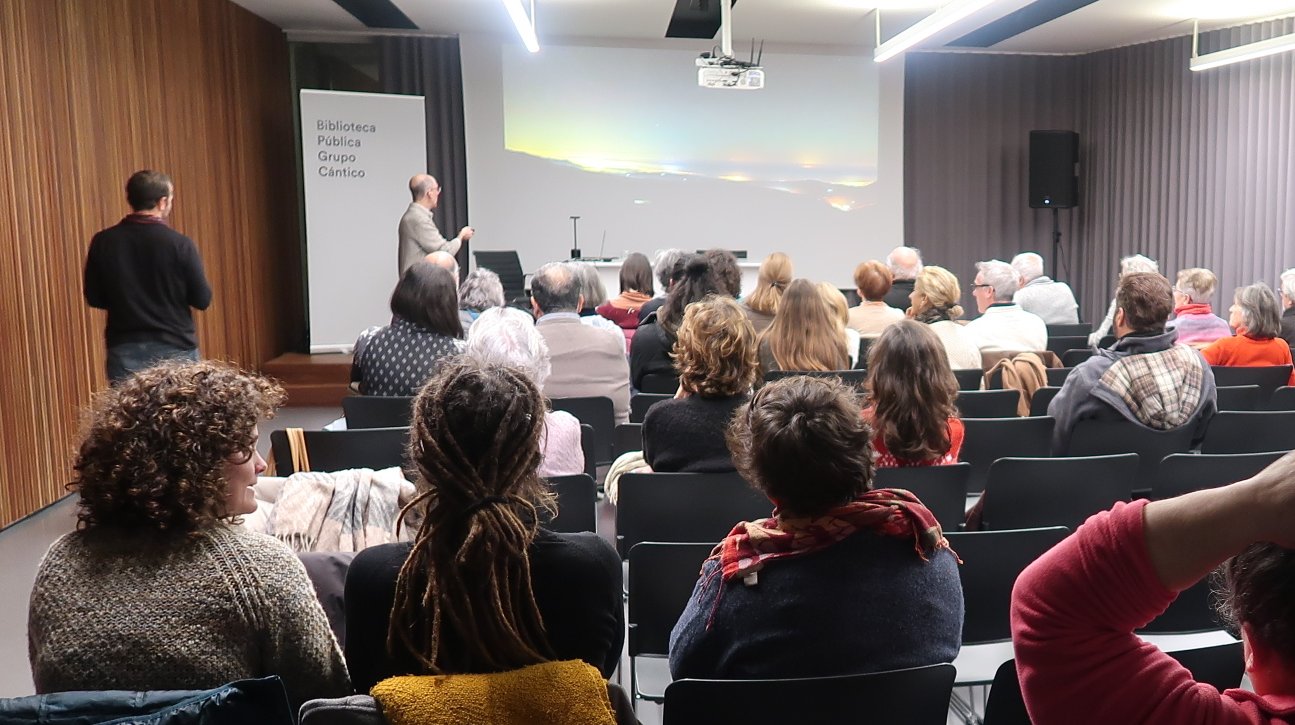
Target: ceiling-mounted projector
{"x": 728, "y": 73}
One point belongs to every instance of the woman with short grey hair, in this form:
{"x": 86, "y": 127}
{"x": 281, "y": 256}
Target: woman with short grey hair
{"x": 480, "y": 291}
{"x": 507, "y": 336}
{"x": 1257, "y": 319}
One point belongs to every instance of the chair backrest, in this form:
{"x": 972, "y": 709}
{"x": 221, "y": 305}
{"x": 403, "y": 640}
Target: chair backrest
{"x": 988, "y": 439}
{"x": 660, "y": 383}
{"x": 1061, "y": 343}
{"x": 1103, "y": 437}
{"x": 1041, "y": 398}
{"x": 641, "y": 402}
{"x": 1283, "y": 398}
{"x": 987, "y": 403}
{"x": 661, "y": 579}
{"x": 587, "y": 447}
{"x": 1182, "y": 473}
{"x": 338, "y": 450}
{"x": 508, "y": 267}
{"x": 991, "y": 561}
{"x": 577, "y": 504}
{"x": 350, "y": 710}
{"x": 1005, "y": 705}
{"x": 1191, "y": 611}
{"x": 942, "y": 488}
{"x": 969, "y": 378}
{"x": 1234, "y": 431}
{"x": 377, "y": 411}
{"x": 684, "y": 507}
{"x": 917, "y": 696}
{"x": 1267, "y": 377}
{"x": 1057, "y": 376}
{"x": 627, "y": 437}
{"x": 1239, "y": 397}
{"x": 1071, "y": 358}
{"x": 597, "y": 412}
{"x": 1023, "y": 493}
{"x": 865, "y": 342}
{"x": 855, "y": 378}
{"x": 1078, "y": 329}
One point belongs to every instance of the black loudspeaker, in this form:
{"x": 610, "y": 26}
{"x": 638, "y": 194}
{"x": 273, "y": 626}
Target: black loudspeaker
{"x": 1053, "y": 157}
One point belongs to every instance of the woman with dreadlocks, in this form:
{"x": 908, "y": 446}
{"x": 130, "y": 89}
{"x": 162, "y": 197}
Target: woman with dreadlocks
{"x": 482, "y": 588}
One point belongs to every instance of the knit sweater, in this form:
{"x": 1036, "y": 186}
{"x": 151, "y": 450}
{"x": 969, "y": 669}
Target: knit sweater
{"x": 1241, "y": 350}
{"x": 1052, "y": 301}
{"x": 114, "y": 611}
{"x": 686, "y": 435}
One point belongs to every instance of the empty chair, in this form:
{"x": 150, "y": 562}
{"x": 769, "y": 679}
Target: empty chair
{"x": 660, "y": 384}
{"x": 683, "y": 507}
{"x": 338, "y": 450}
{"x": 1057, "y": 376}
{"x": 376, "y": 411}
{"x": 985, "y": 440}
{"x": 1071, "y": 358}
{"x": 849, "y": 377}
{"x": 509, "y": 268}
{"x": 1022, "y": 493}
{"x": 1182, "y": 473}
{"x": 916, "y": 696}
{"x": 597, "y": 412}
{"x": 1283, "y": 398}
{"x": 1103, "y": 437}
{"x": 1239, "y": 397}
{"x": 1061, "y": 344}
{"x": 991, "y": 561}
{"x": 577, "y": 501}
{"x": 1041, "y": 398}
{"x": 587, "y": 448}
{"x": 1268, "y": 377}
{"x": 1078, "y": 329}
{"x": 1232, "y": 431}
{"x": 969, "y": 379}
{"x": 987, "y": 403}
{"x": 628, "y": 437}
{"x": 641, "y": 402}
{"x": 942, "y": 488}
{"x": 661, "y": 579}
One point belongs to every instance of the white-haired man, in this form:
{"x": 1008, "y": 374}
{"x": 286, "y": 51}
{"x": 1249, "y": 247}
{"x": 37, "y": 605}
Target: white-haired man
{"x": 1288, "y": 306}
{"x": 1003, "y": 326}
{"x": 1051, "y": 300}
{"x": 905, "y": 264}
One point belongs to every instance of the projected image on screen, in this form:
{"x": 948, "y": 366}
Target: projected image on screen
{"x": 640, "y": 114}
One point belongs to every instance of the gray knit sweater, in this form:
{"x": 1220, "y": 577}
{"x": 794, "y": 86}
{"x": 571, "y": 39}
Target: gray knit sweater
{"x": 113, "y": 611}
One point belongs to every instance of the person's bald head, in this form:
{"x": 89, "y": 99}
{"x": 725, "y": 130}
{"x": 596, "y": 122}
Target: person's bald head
{"x": 425, "y": 190}
{"x": 444, "y": 260}
{"x": 904, "y": 262}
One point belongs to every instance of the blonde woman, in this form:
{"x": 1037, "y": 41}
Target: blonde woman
{"x": 804, "y": 335}
{"x": 762, "y": 304}
{"x": 935, "y": 302}
{"x": 841, "y": 309}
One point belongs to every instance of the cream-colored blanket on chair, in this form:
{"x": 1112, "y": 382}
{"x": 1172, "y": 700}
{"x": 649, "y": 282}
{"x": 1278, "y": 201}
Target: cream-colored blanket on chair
{"x": 340, "y": 511}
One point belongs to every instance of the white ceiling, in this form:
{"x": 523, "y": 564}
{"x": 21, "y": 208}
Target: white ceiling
{"x": 1103, "y": 24}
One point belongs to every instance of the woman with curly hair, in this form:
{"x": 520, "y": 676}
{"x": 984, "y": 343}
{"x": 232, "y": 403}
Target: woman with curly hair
{"x": 717, "y": 363}
{"x": 910, "y": 399}
{"x": 156, "y": 590}
{"x": 482, "y": 588}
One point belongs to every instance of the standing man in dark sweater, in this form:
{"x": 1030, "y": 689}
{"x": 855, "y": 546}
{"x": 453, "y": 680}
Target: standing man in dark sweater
{"x": 147, "y": 276}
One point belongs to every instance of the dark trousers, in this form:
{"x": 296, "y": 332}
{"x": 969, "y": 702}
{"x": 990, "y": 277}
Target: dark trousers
{"x": 130, "y": 357}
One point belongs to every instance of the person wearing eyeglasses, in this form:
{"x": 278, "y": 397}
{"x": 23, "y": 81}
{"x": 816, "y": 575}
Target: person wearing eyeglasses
{"x": 1003, "y": 326}
{"x": 419, "y": 235}
{"x": 1194, "y": 319}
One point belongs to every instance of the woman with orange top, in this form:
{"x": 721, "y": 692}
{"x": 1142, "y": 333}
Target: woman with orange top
{"x": 1256, "y": 317}
{"x": 910, "y": 394}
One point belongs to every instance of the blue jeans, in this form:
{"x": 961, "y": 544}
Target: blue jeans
{"x": 130, "y": 357}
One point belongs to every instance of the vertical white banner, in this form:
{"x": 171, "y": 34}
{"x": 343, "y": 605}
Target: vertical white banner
{"x": 358, "y": 152}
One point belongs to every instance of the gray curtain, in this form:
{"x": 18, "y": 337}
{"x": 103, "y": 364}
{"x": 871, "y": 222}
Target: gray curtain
{"x": 430, "y": 67}
{"x": 1192, "y": 169}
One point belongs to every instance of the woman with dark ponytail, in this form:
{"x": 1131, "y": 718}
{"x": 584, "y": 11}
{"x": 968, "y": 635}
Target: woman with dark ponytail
{"x": 482, "y": 588}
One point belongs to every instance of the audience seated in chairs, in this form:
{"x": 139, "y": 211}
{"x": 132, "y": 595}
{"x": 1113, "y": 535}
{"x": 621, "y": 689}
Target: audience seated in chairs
{"x": 156, "y": 590}
{"x": 1256, "y": 317}
{"x": 1053, "y": 301}
{"x": 480, "y": 291}
{"x": 910, "y": 401}
{"x": 905, "y": 264}
{"x": 1003, "y": 326}
{"x": 1132, "y": 264}
{"x": 715, "y": 354}
{"x": 1194, "y": 320}
{"x": 873, "y": 281}
{"x": 840, "y": 309}
{"x": 507, "y": 336}
{"x": 935, "y": 303}
{"x": 805, "y": 335}
{"x": 1075, "y": 608}
{"x": 594, "y": 295}
{"x": 425, "y": 330}
{"x": 636, "y": 291}
{"x": 482, "y": 588}
{"x": 762, "y": 304}
{"x": 843, "y": 579}
{"x": 585, "y": 362}
{"x": 1145, "y": 377}
{"x": 650, "y": 353}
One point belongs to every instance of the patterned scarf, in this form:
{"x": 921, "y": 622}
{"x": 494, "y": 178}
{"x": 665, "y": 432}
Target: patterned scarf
{"x": 932, "y": 315}
{"x": 886, "y": 511}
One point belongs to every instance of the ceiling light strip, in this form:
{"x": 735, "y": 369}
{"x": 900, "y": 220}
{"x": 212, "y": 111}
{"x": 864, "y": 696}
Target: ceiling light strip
{"x": 525, "y": 25}
{"x": 1249, "y": 51}
{"x": 947, "y": 15}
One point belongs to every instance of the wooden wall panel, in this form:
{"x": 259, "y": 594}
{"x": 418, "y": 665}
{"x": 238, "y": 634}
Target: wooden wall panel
{"x": 90, "y": 92}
